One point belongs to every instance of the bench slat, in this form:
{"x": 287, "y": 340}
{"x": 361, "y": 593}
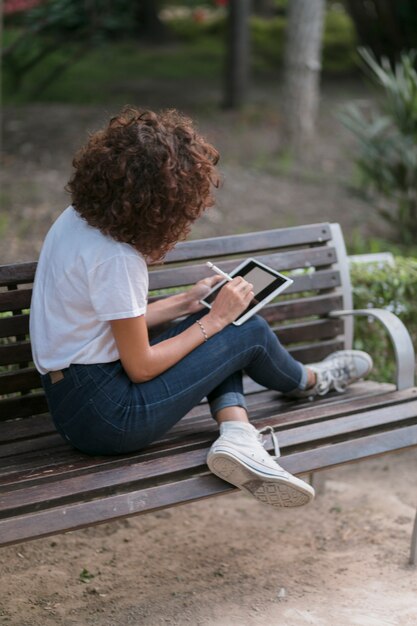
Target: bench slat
{"x": 20, "y": 352}
{"x": 281, "y": 261}
{"x": 14, "y": 325}
{"x": 250, "y": 242}
{"x": 23, "y": 406}
{"x": 304, "y": 331}
{"x": 15, "y": 300}
{"x": 301, "y": 308}
{"x": 188, "y": 275}
{"x": 81, "y": 515}
{"x": 19, "y": 380}
{"x": 315, "y": 352}
{"x": 29, "y": 428}
{"x": 21, "y": 273}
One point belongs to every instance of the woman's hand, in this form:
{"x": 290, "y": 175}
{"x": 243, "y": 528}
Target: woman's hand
{"x": 230, "y": 302}
{"x": 198, "y": 292}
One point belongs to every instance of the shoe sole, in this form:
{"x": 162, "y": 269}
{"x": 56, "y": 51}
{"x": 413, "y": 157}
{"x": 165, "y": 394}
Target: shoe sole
{"x": 276, "y": 491}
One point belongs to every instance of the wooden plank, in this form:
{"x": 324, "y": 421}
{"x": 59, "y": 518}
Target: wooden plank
{"x": 282, "y": 261}
{"x": 22, "y": 406}
{"x": 88, "y": 486}
{"x": 13, "y": 353}
{"x": 48, "y": 441}
{"x": 119, "y": 506}
{"x": 315, "y": 352}
{"x": 46, "y": 523}
{"x": 308, "y": 331}
{"x": 326, "y": 279}
{"x": 281, "y": 311}
{"x": 17, "y": 273}
{"x": 16, "y": 429}
{"x": 15, "y": 300}
{"x": 14, "y": 325}
{"x": 352, "y": 450}
{"x": 19, "y": 380}
{"x": 250, "y": 242}
{"x": 337, "y": 405}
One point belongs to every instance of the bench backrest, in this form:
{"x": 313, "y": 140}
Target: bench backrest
{"x": 314, "y": 256}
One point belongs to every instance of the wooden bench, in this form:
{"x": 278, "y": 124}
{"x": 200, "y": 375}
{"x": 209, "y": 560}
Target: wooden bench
{"x": 47, "y": 487}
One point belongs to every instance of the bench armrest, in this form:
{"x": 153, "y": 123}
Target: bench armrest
{"x": 401, "y": 341}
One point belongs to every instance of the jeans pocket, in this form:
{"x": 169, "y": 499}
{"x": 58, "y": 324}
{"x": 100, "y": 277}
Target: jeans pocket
{"x": 90, "y": 432}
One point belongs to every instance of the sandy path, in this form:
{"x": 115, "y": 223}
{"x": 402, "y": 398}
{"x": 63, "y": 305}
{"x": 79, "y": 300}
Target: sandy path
{"x": 230, "y": 561}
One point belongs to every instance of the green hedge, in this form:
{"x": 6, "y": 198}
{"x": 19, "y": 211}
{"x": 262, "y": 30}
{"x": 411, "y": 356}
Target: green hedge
{"x": 390, "y": 287}
{"x": 339, "y": 42}
{"x": 268, "y": 37}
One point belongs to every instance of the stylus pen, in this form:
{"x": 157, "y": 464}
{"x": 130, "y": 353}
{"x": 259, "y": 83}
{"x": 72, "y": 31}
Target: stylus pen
{"x": 218, "y": 270}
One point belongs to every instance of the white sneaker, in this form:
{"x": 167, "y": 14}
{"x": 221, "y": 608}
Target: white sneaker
{"x": 336, "y": 371}
{"x": 239, "y": 458}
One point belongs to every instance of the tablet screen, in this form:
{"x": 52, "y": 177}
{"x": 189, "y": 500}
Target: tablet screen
{"x": 264, "y": 283}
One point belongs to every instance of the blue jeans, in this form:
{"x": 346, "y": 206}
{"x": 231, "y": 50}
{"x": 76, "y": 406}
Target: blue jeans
{"x": 99, "y": 410}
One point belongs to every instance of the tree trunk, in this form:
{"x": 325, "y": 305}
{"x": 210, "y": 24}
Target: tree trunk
{"x": 150, "y": 27}
{"x": 237, "y": 54}
{"x": 302, "y": 65}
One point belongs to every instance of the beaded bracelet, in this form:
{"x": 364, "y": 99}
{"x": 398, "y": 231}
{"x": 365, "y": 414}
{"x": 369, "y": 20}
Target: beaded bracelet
{"x": 203, "y": 330}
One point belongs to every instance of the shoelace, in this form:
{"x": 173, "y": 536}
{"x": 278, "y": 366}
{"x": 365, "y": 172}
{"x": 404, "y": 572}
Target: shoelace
{"x": 337, "y": 377}
{"x": 269, "y": 430}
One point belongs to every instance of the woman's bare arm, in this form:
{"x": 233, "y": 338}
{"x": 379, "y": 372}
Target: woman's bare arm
{"x": 180, "y": 304}
{"x": 142, "y": 362}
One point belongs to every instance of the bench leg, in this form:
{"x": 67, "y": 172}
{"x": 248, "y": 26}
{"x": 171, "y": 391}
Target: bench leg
{"x": 318, "y": 481}
{"x": 413, "y": 550}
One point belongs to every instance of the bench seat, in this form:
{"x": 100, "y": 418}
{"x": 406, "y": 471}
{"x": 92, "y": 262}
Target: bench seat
{"x": 47, "y": 487}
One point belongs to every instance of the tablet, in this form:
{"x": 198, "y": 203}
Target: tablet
{"x": 267, "y": 284}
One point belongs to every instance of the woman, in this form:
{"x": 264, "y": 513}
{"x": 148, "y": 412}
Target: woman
{"x": 137, "y": 187}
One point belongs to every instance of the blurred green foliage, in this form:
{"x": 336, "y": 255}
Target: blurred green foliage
{"x": 359, "y": 243}
{"x": 112, "y": 72}
{"x": 76, "y": 53}
{"x": 387, "y": 154}
{"x": 383, "y": 285}
{"x": 268, "y": 38}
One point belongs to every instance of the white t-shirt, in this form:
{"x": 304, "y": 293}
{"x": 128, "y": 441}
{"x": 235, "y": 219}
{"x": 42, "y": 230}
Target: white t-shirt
{"x": 83, "y": 280}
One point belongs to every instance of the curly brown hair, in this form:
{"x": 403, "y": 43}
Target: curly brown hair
{"x": 144, "y": 179}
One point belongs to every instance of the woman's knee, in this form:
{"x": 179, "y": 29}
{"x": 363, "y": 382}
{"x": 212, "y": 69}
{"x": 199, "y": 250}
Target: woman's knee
{"x": 257, "y": 325}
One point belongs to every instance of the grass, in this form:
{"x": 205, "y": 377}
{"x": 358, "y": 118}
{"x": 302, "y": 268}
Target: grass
{"x": 112, "y": 73}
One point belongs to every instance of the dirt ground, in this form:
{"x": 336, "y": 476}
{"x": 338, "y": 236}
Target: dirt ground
{"x": 230, "y": 561}
{"x": 226, "y": 561}
{"x": 261, "y": 187}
